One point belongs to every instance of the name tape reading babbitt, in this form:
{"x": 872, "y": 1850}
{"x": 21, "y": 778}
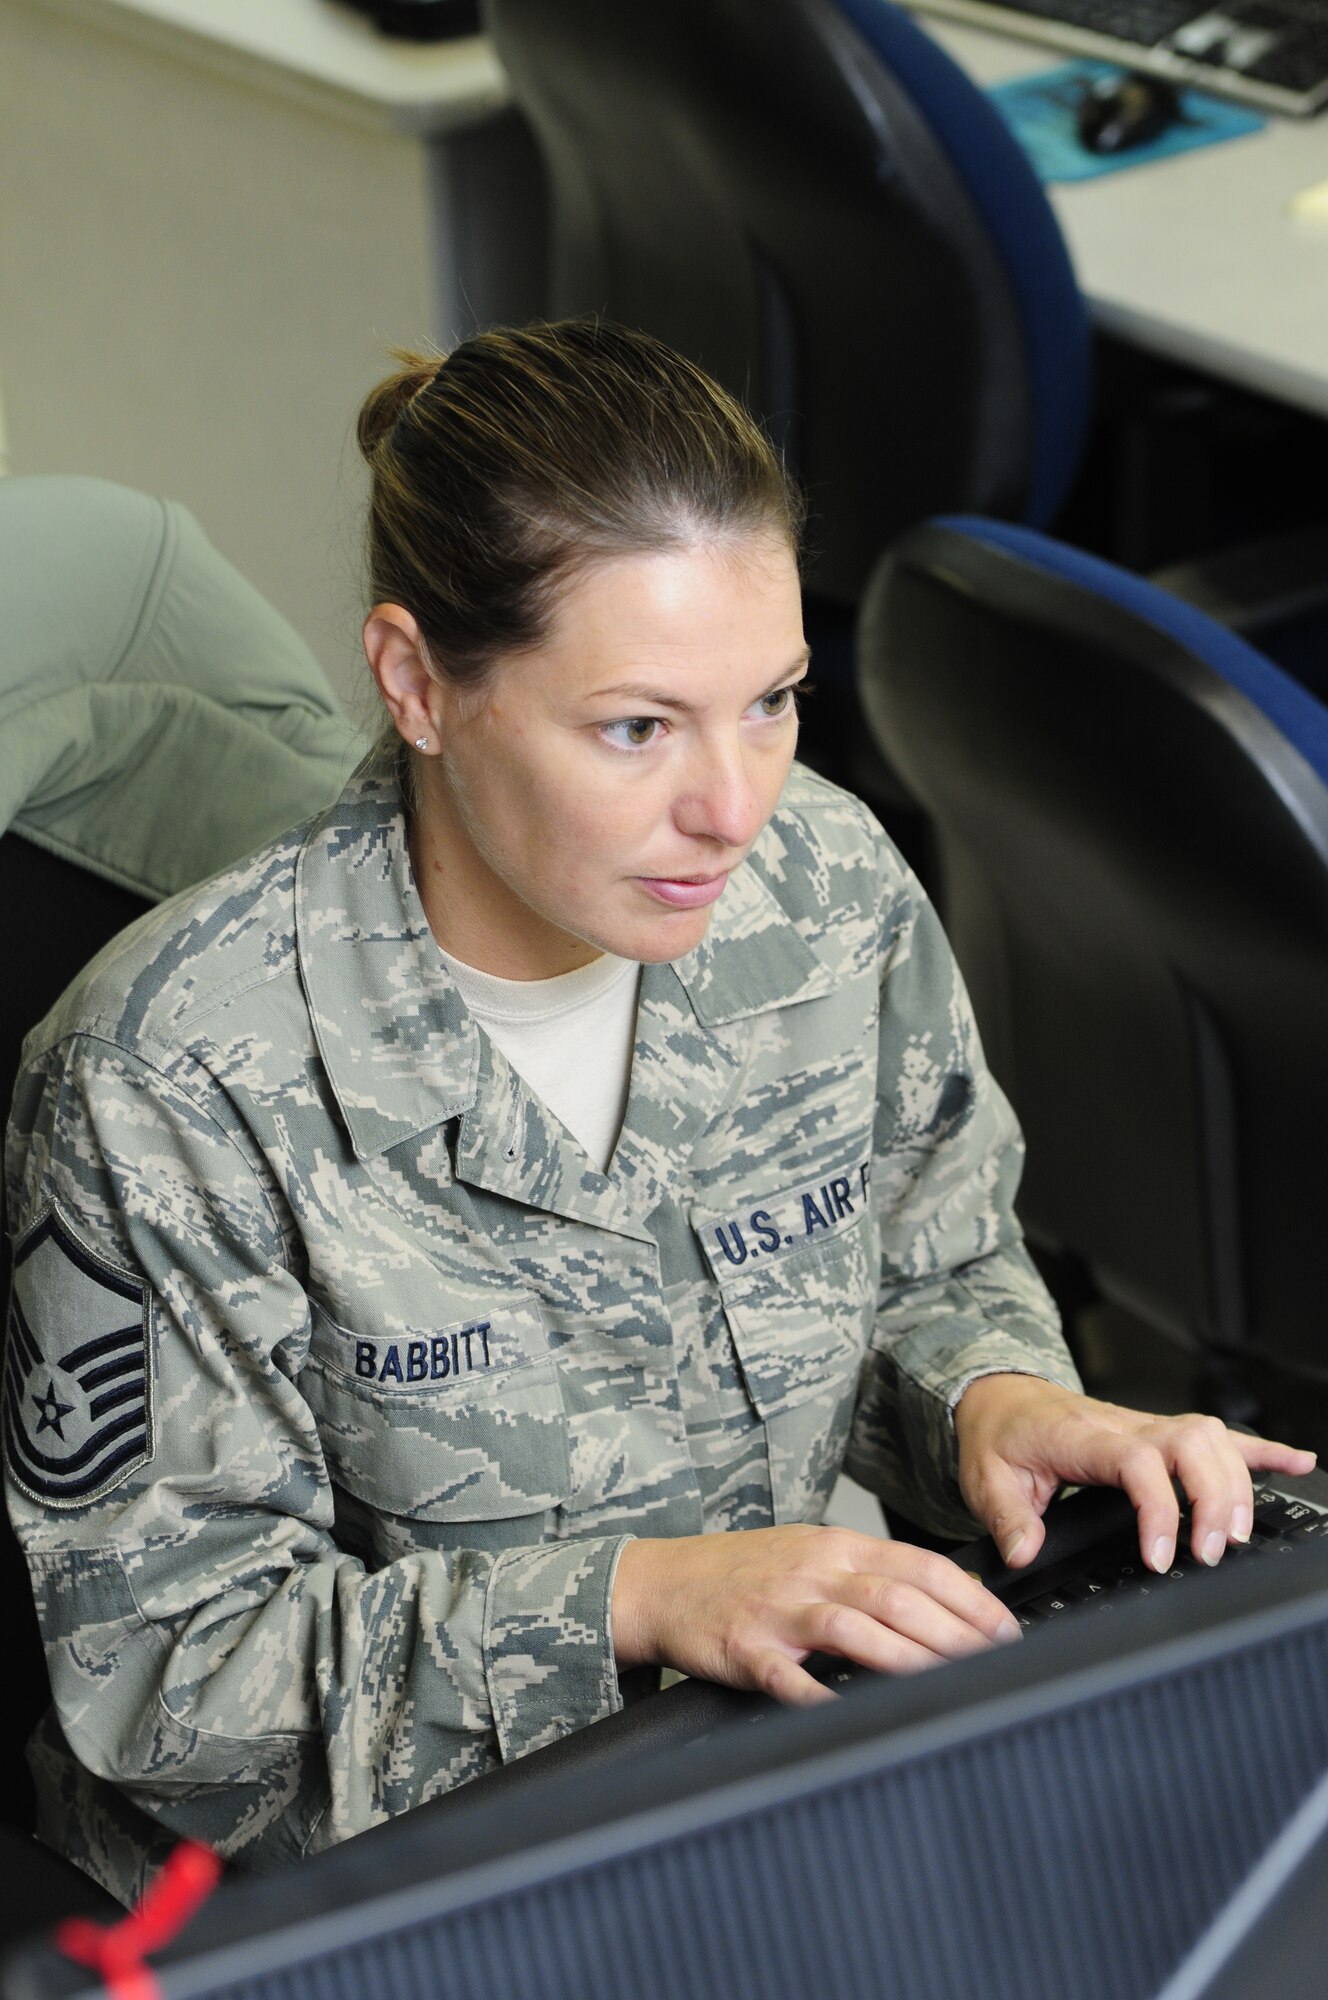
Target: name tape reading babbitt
{"x": 441, "y": 1357}
{"x": 786, "y": 1222}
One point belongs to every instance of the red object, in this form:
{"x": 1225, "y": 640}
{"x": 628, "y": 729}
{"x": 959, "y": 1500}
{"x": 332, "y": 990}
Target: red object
{"x": 116, "y": 1951}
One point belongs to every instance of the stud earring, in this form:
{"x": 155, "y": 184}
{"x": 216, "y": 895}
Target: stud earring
{"x": 421, "y": 742}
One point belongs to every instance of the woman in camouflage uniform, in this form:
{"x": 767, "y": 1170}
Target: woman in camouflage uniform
{"x": 458, "y": 1248}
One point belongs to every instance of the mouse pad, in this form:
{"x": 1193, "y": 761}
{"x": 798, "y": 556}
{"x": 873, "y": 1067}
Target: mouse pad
{"x": 1040, "y": 111}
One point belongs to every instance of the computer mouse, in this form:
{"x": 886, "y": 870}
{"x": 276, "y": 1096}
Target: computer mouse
{"x": 1119, "y": 112}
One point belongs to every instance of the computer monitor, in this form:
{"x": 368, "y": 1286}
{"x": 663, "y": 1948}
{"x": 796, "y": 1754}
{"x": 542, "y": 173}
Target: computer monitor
{"x": 1269, "y": 1939}
{"x": 1073, "y": 1815}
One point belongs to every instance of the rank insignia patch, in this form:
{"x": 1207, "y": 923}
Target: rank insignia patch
{"x": 78, "y": 1415}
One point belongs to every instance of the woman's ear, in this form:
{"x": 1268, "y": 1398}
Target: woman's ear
{"x": 394, "y": 648}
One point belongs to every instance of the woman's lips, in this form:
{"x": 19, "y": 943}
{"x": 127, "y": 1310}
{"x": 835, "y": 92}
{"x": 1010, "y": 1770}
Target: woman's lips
{"x": 684, "y": 893}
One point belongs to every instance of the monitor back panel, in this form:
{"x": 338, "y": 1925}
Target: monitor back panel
{"x": 1038, "y": 1822}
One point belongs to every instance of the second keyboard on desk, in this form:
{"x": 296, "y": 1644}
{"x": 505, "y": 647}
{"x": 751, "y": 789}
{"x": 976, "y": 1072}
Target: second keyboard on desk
{"x": 1269, "y": 53}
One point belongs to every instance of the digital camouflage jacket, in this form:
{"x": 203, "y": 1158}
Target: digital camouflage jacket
{"x": 337, "y": 1374}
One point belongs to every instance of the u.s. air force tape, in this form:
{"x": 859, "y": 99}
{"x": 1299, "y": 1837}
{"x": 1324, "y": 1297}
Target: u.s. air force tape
{"x": 78, "y": 1391}
{"x": 779, "y": 1225}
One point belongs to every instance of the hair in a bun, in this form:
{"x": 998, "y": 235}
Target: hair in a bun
{"x": 530, "y": 453}
{"x": 395, "y": 393}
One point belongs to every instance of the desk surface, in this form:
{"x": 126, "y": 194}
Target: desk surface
{"x": 1197, "y": 257}
{"x": 318, "y": 47}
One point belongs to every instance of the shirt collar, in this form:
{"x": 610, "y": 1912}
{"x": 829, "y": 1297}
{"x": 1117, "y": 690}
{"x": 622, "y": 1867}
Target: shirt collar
{"x": 400, "y": 1049}
{"x": 752, "y": 958}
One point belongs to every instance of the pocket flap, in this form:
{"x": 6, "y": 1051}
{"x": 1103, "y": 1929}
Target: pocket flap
{"x": 791, "y": 1270}
{"x": 800, "y": 1324}
{"x": 465, "y": 1424}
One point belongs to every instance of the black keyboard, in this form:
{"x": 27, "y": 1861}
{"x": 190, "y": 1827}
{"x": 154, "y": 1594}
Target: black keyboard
{"x": 1089, "y": 1558}
{"x": 1112, "y": 1571}
{"x": 1090, "y": 1563}
{"x": 1269, "y": 53}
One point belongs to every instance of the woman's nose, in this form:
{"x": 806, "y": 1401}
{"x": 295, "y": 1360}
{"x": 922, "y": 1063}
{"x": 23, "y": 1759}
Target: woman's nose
{"x": 722, "y": 803}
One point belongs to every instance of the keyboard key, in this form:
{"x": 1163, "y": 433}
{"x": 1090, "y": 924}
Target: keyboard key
{"x": 1051, "y": 1604}
{"x": 1282, "y": 1517}
{"x": 1075, "y": 1590}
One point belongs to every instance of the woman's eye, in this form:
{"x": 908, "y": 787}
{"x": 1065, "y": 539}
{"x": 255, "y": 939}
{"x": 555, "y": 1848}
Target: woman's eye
{"x": 779, "y": 702}
{"x": 632, "y": 734}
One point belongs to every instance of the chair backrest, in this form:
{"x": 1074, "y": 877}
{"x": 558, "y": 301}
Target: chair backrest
{"x": 157, "y": 720}
{"x": 1131, "y": 810}
{"x": 813, "y": 201}
{"x": 58, "y": 916}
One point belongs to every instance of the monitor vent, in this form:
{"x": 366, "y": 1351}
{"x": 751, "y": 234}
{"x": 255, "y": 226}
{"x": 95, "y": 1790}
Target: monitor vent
{"x": 997, "y": 1866}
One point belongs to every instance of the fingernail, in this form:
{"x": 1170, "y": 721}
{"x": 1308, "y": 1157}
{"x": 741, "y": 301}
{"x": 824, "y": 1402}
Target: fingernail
{"x": 1242, "y": 1524}
{"x": 1164, "y": 1548}
{"x": 1009, "y": 1633}
{"x": 1214, "y": 1548}
{"x": 1010, "y": 1549}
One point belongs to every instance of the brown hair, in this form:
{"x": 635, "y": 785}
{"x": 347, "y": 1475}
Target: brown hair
{"x": 529, "y": 453}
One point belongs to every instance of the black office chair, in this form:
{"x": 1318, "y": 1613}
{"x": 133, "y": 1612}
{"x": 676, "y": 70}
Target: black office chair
{"x": 1131, "y": 811}
{"x": 42, "y": 1887}
{"x": 57, "y": 915}
{"x": 810, "y": 199}
{"x": 157, "y": 720}
{"x": 813, "y": 201}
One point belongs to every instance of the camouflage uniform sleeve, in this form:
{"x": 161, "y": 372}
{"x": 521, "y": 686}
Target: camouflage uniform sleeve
{"x": 959, "y": 1296}
{"x": 213, "y": 1653}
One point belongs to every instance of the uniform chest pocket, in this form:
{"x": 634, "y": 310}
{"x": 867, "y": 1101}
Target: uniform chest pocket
{"x": 799, "y": 1303}
{"x": 463, "y": 1424}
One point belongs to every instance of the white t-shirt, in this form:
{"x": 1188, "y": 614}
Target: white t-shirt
{"x": 570, "y": 1038}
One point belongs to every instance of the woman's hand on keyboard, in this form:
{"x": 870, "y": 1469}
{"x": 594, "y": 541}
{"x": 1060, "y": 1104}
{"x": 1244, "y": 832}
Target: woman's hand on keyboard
{"x": 1021, "y": 1438}
{"x": 746, "y": 1609}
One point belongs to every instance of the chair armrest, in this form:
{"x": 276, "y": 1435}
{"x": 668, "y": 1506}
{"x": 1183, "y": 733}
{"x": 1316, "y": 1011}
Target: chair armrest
{"x": 1256, "y": 589}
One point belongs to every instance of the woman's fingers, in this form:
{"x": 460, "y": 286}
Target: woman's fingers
{"x": 1019, "y": 1438}
{"x": 780, "y": 1676}
{"x": 891, "y": 1622}
{"x": 891, "y": 1607}
{"x": 747, "y": 1609}
{"x": 895, "y": 1626}
{"x": 899, "y": 1610}
{"x": 1000, "y": 1496}
{"x": 946, "y": 1583}
{"x": 1212, "y": 1466}
{"x": 1266, "y": 1455}
{"x": 860, "y": 1636}
{"x": 1143, "y": 1462}
{"x": 1217, "y": 1483}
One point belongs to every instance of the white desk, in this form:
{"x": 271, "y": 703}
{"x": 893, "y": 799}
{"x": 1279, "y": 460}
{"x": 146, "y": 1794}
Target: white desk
{"x": 313, "y": 52}
{"x": 1196, "y": 257}
{"x": 215, "y": 218}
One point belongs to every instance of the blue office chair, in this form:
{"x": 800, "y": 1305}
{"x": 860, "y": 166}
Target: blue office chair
{"x": 813, "y": 201}
{"x": 1130, "y": 806}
